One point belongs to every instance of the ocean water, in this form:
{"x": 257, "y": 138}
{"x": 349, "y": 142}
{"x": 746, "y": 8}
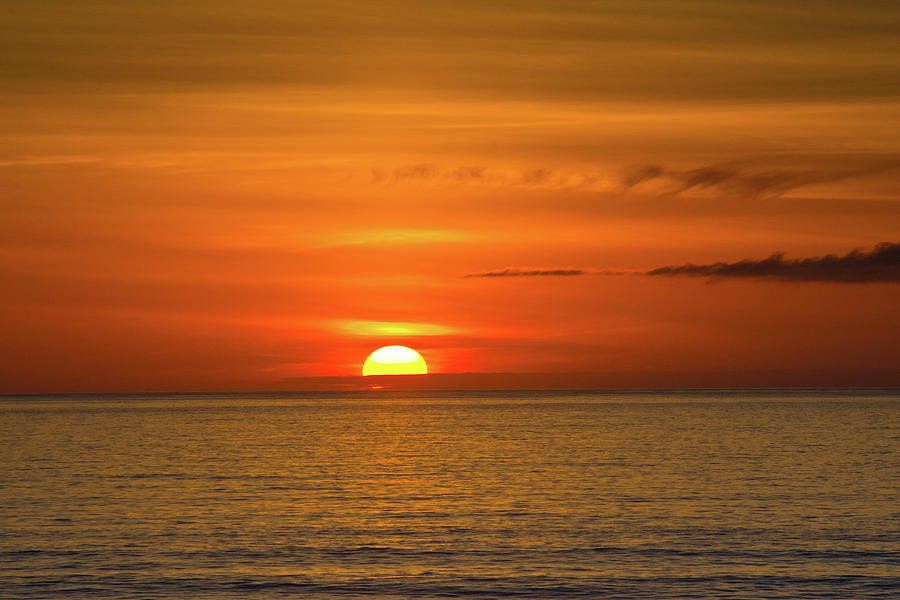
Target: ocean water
{"x": 688, "y": 494}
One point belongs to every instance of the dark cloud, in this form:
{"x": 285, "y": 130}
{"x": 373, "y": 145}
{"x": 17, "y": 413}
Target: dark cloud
{"x": 880, "y": 264}
{"x": 534, "y": 272}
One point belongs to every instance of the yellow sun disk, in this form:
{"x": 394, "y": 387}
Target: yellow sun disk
{"x": 395, "y": 360}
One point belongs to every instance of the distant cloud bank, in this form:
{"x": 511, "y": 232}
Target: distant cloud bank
{"x": 880, "y": 264}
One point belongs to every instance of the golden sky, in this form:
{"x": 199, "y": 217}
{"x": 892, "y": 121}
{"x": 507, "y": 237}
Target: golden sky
{"x": 255, "y": 195}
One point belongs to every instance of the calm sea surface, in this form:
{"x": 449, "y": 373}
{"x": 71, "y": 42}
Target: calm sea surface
{"x": 716, "y": 494}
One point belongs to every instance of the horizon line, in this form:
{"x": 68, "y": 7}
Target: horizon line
{"x": 468, "y": 390}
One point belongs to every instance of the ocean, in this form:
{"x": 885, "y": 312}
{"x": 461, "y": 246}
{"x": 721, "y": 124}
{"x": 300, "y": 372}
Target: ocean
{"x": 610, "y": 494}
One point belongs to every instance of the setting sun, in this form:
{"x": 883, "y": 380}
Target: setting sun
{"x": 395, "y": 360}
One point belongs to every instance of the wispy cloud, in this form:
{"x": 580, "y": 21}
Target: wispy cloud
{"x": 739, "y": 179}
{"x": 880, "y": 264}
{"x": 391, "y": 328}
{"x": 537, "y": 177}
{"x": 542, "y": 272}
{"x": 744, "y": 180}
{"x": 532, "y": 272}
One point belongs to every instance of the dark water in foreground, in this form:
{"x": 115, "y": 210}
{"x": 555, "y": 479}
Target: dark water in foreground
{"x": 724, "y": 494}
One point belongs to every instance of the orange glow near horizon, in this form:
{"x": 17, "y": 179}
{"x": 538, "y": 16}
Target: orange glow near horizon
{"x": 486, "y": 185}
{"x": 395, "y": 360}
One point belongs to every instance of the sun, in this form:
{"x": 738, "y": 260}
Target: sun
{"x": 395, "y": 360}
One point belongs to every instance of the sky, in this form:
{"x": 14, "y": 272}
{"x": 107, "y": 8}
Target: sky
{"x": 228, "y": 195}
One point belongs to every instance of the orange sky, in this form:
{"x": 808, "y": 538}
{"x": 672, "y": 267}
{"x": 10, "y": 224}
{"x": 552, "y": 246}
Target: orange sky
{"x": 232, "y": 195}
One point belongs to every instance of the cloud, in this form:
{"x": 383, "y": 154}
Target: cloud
{"x": 534, "y": 178}
{"x": 641, "y": 173}
{"x": 416, "y": 173}
{"x": 390, "y": 328}
{"x": 543, "y": 272}
{"x": 880, "y": 264}
{"x": 534, "y": 272}
{"x": 743, "y": 180}
{"x": 738, "y": 179}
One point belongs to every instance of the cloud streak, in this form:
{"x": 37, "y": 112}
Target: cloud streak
{"x": 538, "y": 177}
{"x": 544, "y": 272}
{"x": 739, "y": 179}
{"x": 880, "y": 264}
{"x": 533, "y": 272}
{"x": 734, "y": 179}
